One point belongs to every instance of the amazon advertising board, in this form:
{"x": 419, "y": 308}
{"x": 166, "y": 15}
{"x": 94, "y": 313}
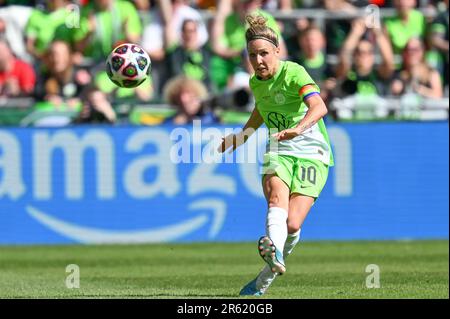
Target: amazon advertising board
{"x": 99, "y": 184}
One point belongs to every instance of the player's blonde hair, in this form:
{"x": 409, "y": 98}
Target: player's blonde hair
{"x": 259, "y": 30}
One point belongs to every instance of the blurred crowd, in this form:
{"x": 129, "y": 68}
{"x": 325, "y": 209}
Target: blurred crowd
{"x": 53, "y": 52}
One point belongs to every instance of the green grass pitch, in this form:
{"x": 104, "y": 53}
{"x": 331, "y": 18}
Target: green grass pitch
{"x": 408, "y": 269}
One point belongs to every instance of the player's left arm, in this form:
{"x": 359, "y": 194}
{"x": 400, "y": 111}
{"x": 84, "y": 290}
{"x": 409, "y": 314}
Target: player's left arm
{"x": 316, "y": 110}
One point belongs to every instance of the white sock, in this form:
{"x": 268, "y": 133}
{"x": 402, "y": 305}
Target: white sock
{"x": 276, "y": 226}
{"x": 291, "y": 241}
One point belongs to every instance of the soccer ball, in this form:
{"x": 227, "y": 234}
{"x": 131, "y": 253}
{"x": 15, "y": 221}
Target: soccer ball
{"x": 128, "y": 65}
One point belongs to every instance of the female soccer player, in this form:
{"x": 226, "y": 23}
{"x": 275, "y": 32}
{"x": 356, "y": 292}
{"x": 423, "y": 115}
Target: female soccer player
{"x": 296, "y": 163}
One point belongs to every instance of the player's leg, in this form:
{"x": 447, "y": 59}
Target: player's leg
{"x": 277, "y": 175}
{"x": 299, "y": 207}
{"x": 271, "y": 246}
{"x": 277, "y": 196}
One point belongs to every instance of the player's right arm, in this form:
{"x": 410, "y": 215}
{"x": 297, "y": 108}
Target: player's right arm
{"x": 234, "y": 140}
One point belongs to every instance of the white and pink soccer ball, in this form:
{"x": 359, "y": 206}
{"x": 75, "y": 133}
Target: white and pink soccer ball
{"x": 128, "y": 65}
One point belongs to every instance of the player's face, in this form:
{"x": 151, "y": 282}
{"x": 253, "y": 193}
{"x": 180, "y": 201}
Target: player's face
{"x": 264, "y": 58}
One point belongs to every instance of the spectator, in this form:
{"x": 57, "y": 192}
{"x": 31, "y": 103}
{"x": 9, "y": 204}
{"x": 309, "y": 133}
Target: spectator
{"x": 187, "y": 95}
{"x": 312, "y": 57}
{"x": 17, "y": 78}
{"x": 438, "y": 39}
{"x": 337, "y": 29}
{"x": 141, "y": 93}
{"x": 97, "y": 109}
{"x": 13, "y": 20}
{"x": 408, "y": 23}
{"x": 416, "y": 76}
{"x": 105, "y": 24}
{"x": 62, "y": 84}
{"x": 362, "y": 76}
{"x": 188, "y": 57}
{"x": 176, "y": 11}
{"x": 228, "y": 40}
{"x": 169, "y": 16}
{"x": 43, "y": 26}
{"x": 102, "y": 96}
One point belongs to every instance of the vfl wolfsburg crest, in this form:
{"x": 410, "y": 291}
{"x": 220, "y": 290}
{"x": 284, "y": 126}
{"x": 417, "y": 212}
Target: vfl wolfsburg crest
{"x": 279, "y": 98}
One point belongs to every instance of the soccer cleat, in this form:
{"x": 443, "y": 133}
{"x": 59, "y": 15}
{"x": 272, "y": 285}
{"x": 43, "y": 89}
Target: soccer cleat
{"x": 251, "y": 290}
{"x": 271, "y": 255}
{"x": 258, "y": 286}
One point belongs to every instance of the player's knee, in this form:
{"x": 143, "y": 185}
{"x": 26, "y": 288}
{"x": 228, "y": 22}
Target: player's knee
{"x": 293, "y": 226}
{"x": 276, "y": 201}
